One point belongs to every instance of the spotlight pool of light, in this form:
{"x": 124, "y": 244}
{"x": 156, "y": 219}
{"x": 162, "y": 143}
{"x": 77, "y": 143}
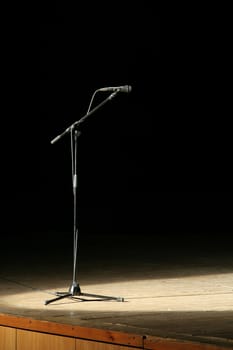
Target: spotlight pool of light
{"x": 210, "y": 292}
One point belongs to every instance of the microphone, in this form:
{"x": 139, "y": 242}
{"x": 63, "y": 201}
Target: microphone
{"x": 124, "y": 88}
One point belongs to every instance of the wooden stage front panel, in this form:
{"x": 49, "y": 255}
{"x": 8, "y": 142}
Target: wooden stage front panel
{"x": 27, "y": 334}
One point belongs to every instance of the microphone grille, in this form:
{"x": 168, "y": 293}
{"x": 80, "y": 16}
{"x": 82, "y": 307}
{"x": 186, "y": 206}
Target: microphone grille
{"x": 129, "y": 88}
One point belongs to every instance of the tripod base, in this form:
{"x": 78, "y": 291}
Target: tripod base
{"x": 75, "y": 293}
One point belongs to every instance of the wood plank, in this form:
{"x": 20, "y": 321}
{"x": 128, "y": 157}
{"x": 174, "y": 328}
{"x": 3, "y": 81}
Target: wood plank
{"x": 91, "y": 345}
{"x": 28, "y": 340}
{"x": 156, "y": 343}
{"x": 7, "y": 338}
{"x": 72, "y": 330}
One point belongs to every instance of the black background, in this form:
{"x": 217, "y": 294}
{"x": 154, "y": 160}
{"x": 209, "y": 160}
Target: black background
{"x": 153, "y": 161}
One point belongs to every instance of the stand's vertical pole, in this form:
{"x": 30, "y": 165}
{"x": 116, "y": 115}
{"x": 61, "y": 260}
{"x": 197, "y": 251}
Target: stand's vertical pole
{"x": 74, "y": 289}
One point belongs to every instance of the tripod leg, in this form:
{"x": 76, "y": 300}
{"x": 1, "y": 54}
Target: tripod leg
{"x": 65, "y": 295}
{"x": 104, "y": 297}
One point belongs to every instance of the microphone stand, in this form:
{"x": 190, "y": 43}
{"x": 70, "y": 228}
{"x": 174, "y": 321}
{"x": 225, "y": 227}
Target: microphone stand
{"x": 74, "y": 291}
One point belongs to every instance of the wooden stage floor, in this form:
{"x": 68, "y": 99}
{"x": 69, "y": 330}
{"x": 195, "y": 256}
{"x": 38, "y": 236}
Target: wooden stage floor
{"x": 174, "y": 287}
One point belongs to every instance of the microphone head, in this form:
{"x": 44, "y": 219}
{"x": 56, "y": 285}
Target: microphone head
{"x": 123, "y": 88}
{"x": 126, "y": 88}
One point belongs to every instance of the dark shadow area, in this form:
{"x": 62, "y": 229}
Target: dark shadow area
{"x": 148, "y": 212}
{"x": 137, "y": 257}
{"x": 137, "y": 156}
